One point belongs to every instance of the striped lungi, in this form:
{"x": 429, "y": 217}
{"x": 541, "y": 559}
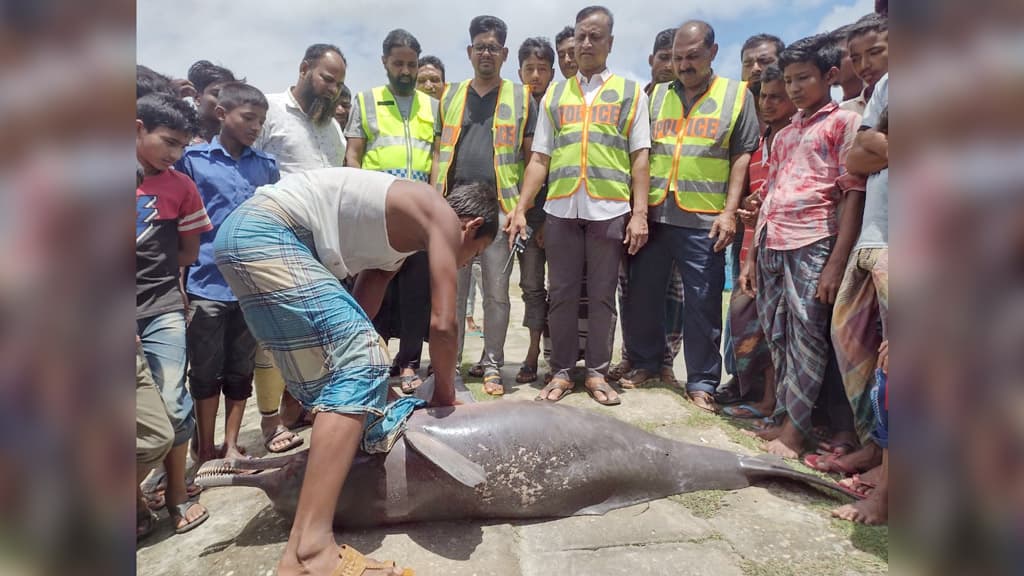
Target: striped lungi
{"x": 329, "y": 354}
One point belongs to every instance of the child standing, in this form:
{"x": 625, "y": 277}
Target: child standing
{"x": 803, "y": 242}
{"x": 221, "y": 350}
{"x": 169, "y": 217}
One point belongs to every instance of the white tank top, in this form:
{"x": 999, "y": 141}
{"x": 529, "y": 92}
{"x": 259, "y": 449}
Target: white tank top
{"x": 344, "y": 209}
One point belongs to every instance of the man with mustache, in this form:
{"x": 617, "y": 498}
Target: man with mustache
{"x": 299, "y": 132}
{"x": 391, "y": 129}
{"x": 703, "y": 129}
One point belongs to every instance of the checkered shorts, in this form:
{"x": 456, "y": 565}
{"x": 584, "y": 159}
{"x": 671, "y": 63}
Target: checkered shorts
{"x": 329, "y": 354}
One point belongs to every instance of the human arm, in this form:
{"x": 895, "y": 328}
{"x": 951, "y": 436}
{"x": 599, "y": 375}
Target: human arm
{"x": 724, "y": 226}
{"x": 534, "y": 176}
{"x": 849, "y": 229}
{"x": 640, "y": 185}
{"x": 370, "y": 288}
{"x": 748, "y": 273}
{"x": 869, "y": 154}
{"x": 354, "y": 152}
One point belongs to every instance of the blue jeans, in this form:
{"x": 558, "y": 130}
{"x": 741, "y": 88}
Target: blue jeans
{"x": 703, "y": 273}
{"x": 163, "y": 343}
{"x": 735, "y": 266}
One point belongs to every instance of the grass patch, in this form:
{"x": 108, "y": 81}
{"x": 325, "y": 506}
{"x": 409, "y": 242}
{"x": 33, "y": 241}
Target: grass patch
{"x": 704, "y": 504}
{"x": 836, "y": 566}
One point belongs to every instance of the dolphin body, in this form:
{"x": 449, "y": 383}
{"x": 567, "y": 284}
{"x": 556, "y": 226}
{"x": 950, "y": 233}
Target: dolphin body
{"x": 508, "y": 460}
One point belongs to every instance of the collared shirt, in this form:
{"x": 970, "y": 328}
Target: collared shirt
{"x": 744, "y": 138}
{"x": 298, "y": 144}
{"x": 223, "y": 183}
{"x": 806, "y": 159}
{"x": 757, "y": 173}
{"x": 581, "y": 204}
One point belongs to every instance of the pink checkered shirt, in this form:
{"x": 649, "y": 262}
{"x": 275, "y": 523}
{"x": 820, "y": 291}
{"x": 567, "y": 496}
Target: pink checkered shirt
{"x": 807, "y": 158}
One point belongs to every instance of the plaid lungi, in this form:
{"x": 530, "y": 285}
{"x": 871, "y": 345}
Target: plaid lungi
{"x": 329, "y": 354}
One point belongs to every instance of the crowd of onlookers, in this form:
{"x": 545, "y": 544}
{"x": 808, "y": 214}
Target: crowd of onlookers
{"x": 630, "y": 202}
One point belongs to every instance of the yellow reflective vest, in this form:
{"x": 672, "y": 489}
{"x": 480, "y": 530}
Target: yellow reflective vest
{"x": 690, "y": 154}
{"x": 591, "y": 143}
{"x": 395, "y": 145}
{"x": 508, "y": 129}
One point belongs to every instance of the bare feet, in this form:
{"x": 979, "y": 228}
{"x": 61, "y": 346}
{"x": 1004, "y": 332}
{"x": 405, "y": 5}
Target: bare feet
{"x": 787, "y": 444}
{"x": 872, "y": 510}
{"x": 766, "y": 432}
{"x": 866, "y": 457}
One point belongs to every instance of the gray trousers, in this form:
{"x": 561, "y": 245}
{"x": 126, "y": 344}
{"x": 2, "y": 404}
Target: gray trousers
{"x": 572, "y": 243}
{"x": 494, "y": 289}
{"x": 531, "y": 282}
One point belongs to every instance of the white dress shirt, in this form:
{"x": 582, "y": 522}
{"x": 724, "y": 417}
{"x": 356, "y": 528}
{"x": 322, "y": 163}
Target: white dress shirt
{"x": 292, "y": 138}
{"x": 581, "y": 204}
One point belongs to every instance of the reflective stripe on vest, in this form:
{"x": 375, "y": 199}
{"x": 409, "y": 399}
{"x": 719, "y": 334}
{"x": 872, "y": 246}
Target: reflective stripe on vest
{"x": 395, "y": 145}
{"x": 508, "y": 129}
{"x": 591, "y": 143}
{"x": 690, "y": 154}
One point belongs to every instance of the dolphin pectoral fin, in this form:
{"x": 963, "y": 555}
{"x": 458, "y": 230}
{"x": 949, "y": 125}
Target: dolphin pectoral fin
{"x": 446, "y": 458}
{"x": 766, "y": 466}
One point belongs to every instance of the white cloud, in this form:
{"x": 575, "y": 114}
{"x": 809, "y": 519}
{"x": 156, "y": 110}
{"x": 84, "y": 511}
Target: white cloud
{"x": 845, "y": 14}
{"x": 264, "y": 39}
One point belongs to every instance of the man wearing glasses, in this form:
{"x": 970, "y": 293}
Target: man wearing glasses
{"x": 484, "y": 134}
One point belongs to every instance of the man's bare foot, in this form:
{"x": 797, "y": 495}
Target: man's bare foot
{"x": 787, "y": 444}
{"x": 867, "y": 457}
{"x": 327, "y": 560}
{"x": 764, "y": 433}
{"x": 872, "y": 510}
{"x": 865, "y": 482}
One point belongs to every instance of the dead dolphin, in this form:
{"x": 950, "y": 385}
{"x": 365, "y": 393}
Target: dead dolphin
{"x": 507, "y": 460}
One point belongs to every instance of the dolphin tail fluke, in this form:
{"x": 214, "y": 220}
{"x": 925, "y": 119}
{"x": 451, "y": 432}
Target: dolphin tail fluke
{"x": 766, "y": 466}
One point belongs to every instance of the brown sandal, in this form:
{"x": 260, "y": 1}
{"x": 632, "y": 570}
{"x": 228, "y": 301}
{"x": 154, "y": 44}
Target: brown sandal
{"x": 636, "y": 378}
{"x": 703, "y": 400}
{"x": 355, "y": 564}
{"x": 527, "y": 374}
{"x": 602, "y": 386}
{"x": 566, "y": 387}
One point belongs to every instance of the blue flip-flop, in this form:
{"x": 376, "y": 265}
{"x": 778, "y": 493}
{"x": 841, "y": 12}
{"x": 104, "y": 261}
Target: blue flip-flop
{"x": 751, "y": 411}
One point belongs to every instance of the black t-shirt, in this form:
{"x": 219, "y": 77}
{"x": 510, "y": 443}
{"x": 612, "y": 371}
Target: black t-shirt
{"x": 474, "y": 152}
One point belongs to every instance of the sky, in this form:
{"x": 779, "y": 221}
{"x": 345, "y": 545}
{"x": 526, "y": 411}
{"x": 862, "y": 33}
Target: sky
{"x": 263, "y": 40}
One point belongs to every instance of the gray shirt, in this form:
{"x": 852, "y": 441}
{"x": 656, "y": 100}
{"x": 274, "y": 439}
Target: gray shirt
{"x": 745, "y": 138}
{"x": 874, "y": 228}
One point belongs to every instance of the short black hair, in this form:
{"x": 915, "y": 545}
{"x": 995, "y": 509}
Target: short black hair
{"x": 149, "y": 81}
{"x": 771, "y": 73}
{"x": 663, "y": 41}
{"x": 867, "y": 24}
{"x": 204, "y": 73}
{"x": 345, "y": 92}
{"x": 234, "y": 94}
{"x": 840, "y": 35}
{"x": 758, "y": 39}
{"x": 399, "y": 38}
{"x": 317, "y": 51}
{"x": 591, "y": 10}
{"x": 160, "y": 109}
{"x": 433, "y": 61}
{"x": 819, "y": 49}
{"x": 485, "y": 24}
{"x": 567, "y": 33}
{"x": 709, "y": 31}
{"x": 477, "y": 200}
{"x": 536, "y": 46}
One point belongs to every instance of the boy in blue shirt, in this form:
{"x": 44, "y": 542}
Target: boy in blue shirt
{"x": 222, "y": 352}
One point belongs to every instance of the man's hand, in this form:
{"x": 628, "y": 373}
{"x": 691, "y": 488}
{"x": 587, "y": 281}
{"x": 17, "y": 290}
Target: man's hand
{"x": 749, "y": 208}
{"x": 515, "y": 225}
{"x": 636, "y": 233}
{"x": 828, "y": 284}
{"x": 724, "y": 228}
{"x": 748, "y": 278}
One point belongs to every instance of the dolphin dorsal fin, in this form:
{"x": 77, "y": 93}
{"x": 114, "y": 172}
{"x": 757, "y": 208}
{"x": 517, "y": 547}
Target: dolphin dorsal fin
{"x": 446, "y": 458}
